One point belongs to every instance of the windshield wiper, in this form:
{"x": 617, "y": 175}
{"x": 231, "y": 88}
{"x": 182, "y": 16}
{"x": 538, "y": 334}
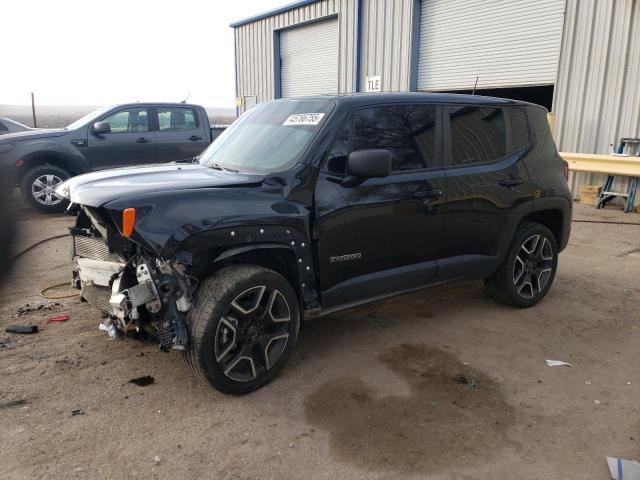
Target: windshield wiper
{"x": 215, "y": 166}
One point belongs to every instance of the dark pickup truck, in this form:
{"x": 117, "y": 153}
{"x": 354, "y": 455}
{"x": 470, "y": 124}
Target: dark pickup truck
{"x": 116, "y": 136}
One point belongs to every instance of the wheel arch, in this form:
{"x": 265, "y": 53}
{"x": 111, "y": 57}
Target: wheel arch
{"x": 279, "y": 257}
{"x": 46, "y": 157}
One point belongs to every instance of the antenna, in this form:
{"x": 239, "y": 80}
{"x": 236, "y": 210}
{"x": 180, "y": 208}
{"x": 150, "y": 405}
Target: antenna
{"x": 475, "y": 85}
{"x": 185, "y": 100}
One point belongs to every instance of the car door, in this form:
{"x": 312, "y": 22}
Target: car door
{"x": 485, "y": 181}
{"x": 381, "y": 235}
{"x": 180, "y": 135}
{"x": 131, "y": 140}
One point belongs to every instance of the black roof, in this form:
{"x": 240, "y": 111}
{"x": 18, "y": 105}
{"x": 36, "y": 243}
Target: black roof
{"x": 356, "y": 99}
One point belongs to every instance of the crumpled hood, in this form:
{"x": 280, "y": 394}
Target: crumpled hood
{"x": 33, "y": 135}
{"x": 96, "y": 189}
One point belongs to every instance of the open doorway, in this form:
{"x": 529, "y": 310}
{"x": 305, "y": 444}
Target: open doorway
{"x": 539, "y": 94}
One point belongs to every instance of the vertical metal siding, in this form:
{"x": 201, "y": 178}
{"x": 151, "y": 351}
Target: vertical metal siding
{"x": 310, "y": 59}
{"x": 386, "y": 42}
{"x": 505, "y": 44}
{"x": 597, "y": 97}
{"x": 255, "y": 47}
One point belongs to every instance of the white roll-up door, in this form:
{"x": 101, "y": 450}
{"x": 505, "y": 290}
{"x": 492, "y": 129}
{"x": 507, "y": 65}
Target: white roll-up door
{"x": 504, "y": 43}
{"x": 309, "y": 58}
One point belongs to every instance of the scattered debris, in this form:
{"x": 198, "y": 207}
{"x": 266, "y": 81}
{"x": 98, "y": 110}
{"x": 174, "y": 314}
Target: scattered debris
{"x": 156, "y": 459}
{"x": 107, "y": 326}
{"x": 12, "y": 403}
{"x": 558, "y": 363}
{"x": 461, "y": 379}
{"x": 21, "y": 329}
{"x": 623, "y": 469}
{"x": 28, "y": 308}
{"x": 75, "y": 413}
{"x": 58, "y": 319}
{"x": 143, "y": 381}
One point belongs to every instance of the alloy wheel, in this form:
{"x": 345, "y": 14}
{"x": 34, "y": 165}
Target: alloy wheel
{"x": 253, "y": 333}
{"x": 533, "y": 266}
{"x": 43, "y": 189}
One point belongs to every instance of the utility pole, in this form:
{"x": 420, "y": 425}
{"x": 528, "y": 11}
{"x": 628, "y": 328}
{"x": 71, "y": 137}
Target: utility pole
{"x": 33, "y": 111}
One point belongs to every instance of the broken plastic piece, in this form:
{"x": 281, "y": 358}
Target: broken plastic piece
{"x": 109, "y": 327}
{"x": 58, "y": 318}
{"x": 623, "y": 469}
{"x": 558, "y": 363}
{"x": 21, "y": 329}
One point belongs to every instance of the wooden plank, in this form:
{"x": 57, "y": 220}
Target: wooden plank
{"x": 595, "y": 163}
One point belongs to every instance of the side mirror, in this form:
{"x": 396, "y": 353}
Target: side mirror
{"x": 100, "y": 128}
{"x": 369, "y": 163}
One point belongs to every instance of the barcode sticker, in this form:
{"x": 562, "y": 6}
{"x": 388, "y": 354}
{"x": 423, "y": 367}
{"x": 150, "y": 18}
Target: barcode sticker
{"x": 304, "y": 119}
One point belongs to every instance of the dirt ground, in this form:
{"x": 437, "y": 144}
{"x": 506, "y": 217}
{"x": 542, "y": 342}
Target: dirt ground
{"x": 438, "y": 384}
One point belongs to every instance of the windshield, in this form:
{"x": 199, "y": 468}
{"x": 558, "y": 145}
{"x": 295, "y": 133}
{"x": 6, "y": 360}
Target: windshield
{"x": 270, "y": 137}
{"x": 87, "y": 118}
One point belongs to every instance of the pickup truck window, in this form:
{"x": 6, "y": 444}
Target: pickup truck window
{"x": 133, "y": 120}
{"x": 270, "y": 137}
{"x": 176, "y": 119}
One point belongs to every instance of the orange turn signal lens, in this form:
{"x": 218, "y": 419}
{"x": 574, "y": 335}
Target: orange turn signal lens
{"x": 128, "y": 221}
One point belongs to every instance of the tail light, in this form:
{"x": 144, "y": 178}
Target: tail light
{"x": 565, "y": 171}
{"x": 128, "y": 221}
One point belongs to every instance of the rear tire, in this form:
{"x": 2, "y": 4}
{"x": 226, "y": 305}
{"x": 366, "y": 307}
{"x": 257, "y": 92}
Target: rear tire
{"x": 243, "y": 326}
{"x": 528, "y": 269}
{"x": 38, "y": 188}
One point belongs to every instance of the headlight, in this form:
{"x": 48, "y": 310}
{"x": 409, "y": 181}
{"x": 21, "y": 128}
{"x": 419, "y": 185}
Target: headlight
{"x": 63, "y": 190}
{"x": 5, "y": 148}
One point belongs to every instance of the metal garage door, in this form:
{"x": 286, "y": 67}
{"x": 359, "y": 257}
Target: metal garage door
{"x": 506, "y": 44}
{"x": 309, "y": 59}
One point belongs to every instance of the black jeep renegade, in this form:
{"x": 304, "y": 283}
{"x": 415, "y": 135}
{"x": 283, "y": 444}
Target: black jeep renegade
{"x": 310, "y": 205}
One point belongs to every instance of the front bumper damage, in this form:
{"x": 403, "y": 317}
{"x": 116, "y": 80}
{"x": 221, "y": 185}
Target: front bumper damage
{"x": 139, "y": 296}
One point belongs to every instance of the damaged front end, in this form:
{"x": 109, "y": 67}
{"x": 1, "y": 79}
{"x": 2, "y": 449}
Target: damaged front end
{"x": 139, "y": 294}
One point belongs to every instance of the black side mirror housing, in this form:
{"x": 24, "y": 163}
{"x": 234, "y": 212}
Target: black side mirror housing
{"x": 369, "y": 163}
{"x": 100, "y": 128}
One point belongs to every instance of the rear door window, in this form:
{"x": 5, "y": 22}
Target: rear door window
{"x": 176, "y": 119}
{"x": 484, "y": 134}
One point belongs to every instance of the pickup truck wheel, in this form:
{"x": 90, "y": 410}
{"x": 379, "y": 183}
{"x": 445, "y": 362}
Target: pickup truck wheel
{"x": 38, "y": 188}
{"x": 243, "y": 326}
{"x": 528, "y": 270}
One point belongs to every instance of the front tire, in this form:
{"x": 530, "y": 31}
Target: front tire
{"x": 243, "y": 326}
{"x": 528, "y": 270}
{"x": 38, "y": 188}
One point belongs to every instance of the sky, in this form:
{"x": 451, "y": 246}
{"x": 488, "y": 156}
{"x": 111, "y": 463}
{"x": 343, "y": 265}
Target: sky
{"x": 88, "y": 52}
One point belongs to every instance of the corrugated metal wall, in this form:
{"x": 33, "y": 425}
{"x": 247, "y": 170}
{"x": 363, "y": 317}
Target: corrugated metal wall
{"x": 255, "y": 49}
{"x": 597, "y": 95}
{"x": 386, "y": 43}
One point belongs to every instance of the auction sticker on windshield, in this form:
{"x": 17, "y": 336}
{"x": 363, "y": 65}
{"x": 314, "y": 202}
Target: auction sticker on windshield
{"x": 304, "y": 119}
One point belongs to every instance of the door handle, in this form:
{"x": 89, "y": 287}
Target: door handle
{"x": 510, "y": 182}
{"x": 143, "y": 140}
{"x": 195, "y": 138}
{"x": 425, "y": 194}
